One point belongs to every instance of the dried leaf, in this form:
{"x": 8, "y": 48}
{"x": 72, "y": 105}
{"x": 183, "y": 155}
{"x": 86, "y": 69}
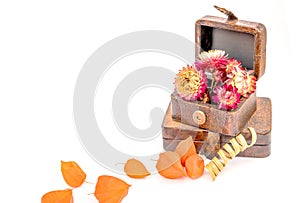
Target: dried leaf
{"x": 58, "y": 196}
{"x": 194, "y": 166}
{"x": 169, "y": 165}
{"x": 110, "y": 189}
{"x": 72, "y": 173}
{"x": 185, "y": 148}
{"x": 135, "y": 169}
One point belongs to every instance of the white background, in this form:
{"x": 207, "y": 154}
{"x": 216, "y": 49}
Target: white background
{"x": 43, "y": 46}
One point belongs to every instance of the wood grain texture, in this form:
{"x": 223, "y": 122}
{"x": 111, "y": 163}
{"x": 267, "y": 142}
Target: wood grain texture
{"x": 173, "y": 132}
{"x": 219, "y": 121}
{"x": 261, "y": 121}
{"x": 257, "y": 30}
{"x": 209, "y": 151}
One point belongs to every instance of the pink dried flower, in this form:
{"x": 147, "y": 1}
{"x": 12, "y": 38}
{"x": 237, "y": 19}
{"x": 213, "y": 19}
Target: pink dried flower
{"x": 211, "y": 60}
{"x": 233, "y": 67}
{"x": 240, "y": 78}
{"x": 190, "y": 84}
{"x": 227, "y": 97}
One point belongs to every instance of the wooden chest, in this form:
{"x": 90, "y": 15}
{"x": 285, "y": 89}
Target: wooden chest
{"x": 242, "y": 40}
{"x": 208, "y": 143}
{"x": 209, "y": 126}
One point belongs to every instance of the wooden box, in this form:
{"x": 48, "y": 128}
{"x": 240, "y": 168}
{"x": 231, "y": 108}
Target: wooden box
{"x": 242, "y": 40}
{"x": 208, "y": 143}
{"x": 215, "y": 120}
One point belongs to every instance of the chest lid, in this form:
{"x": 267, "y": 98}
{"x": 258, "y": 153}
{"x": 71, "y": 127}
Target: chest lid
{"x": 242, "y": 40}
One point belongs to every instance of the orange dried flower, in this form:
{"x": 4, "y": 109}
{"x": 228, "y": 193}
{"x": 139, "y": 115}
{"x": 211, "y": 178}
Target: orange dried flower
{"x": 169, "y": 166}
{"x": 72, "y": 173}
{"x": 194, "y": 166}
{"x": 110, "y": 189}
{"x": 135, "y": 169}
{"x": 58, "y": 196}
{"x": 185, "y": 148}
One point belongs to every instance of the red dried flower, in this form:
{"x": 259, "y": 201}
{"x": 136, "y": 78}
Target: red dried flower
{"x": 226, "y": 97}
{"x": 211, "y": 60}
{"x": 228, "y": 80}
{"x": 220, "y": 75}
{"x": 190, "y": 84}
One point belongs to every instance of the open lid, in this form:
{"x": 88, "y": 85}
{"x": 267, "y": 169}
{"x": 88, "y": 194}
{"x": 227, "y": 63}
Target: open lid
{"x": 242, "y": 40}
